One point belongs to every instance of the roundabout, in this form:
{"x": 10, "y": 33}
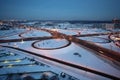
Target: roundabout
{"x": 51, "y": 44}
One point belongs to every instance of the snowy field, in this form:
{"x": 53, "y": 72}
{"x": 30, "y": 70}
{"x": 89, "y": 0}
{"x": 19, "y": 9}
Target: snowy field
{"x": 35, "y": 33}
{"x": 13, "y": 34}
{"x": 102, "y": 41}
{"x": 86, "y": 57}
{"x": 17, "y": 62}
{"x": 5, "y": 34}
{"x": 73, "y": 53}
{"x": 51, "y": 43}
{"x": 74, "y": 31}
{"x": 95, "y": 39}
{"x": 67, "y": 32}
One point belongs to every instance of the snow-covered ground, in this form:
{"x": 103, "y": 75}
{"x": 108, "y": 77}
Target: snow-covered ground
{"x": 73, "y": 31}
{"x": 95, "y": 39}
{"x": 111, "y": 46}
{"x": 13, "y": 34}
{"x": 67, "y": 54}
{"x": 90, "y": 31}
{"x": 51, "y": 43}
{"x": 35, "y": 33}
{"x": 27, "y": 65}
{"x": 85, "y": 56}
{"x": 67, "y": 32}
{"x": 102, "y": 41}
{"x": 5, "y": 34}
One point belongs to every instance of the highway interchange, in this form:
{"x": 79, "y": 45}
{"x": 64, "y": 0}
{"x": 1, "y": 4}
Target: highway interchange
{"x": 109, "y": 54}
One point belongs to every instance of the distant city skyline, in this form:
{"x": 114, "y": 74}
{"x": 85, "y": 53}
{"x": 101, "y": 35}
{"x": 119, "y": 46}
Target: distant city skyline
{"x": 60, "y": 9}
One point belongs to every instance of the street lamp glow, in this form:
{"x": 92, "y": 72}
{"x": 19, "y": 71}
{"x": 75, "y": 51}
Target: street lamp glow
{"x": 10, "y": 65}
{"x": 22, "y": 41}
{"x": 117, "y": 38}
{"x": 6, "y": 61}
{"x": 18, "y": 60}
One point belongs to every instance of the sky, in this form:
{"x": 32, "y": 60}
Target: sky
{"x": 60, "y": 9}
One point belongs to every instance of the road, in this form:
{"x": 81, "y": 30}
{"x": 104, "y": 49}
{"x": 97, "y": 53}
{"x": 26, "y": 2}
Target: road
{"x": 104, "y": 52}
{"x": 111, "y": 55}
{"x": 68, "y": 64}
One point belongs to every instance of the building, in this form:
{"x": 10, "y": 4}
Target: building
{"x": 109, "y": 26}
